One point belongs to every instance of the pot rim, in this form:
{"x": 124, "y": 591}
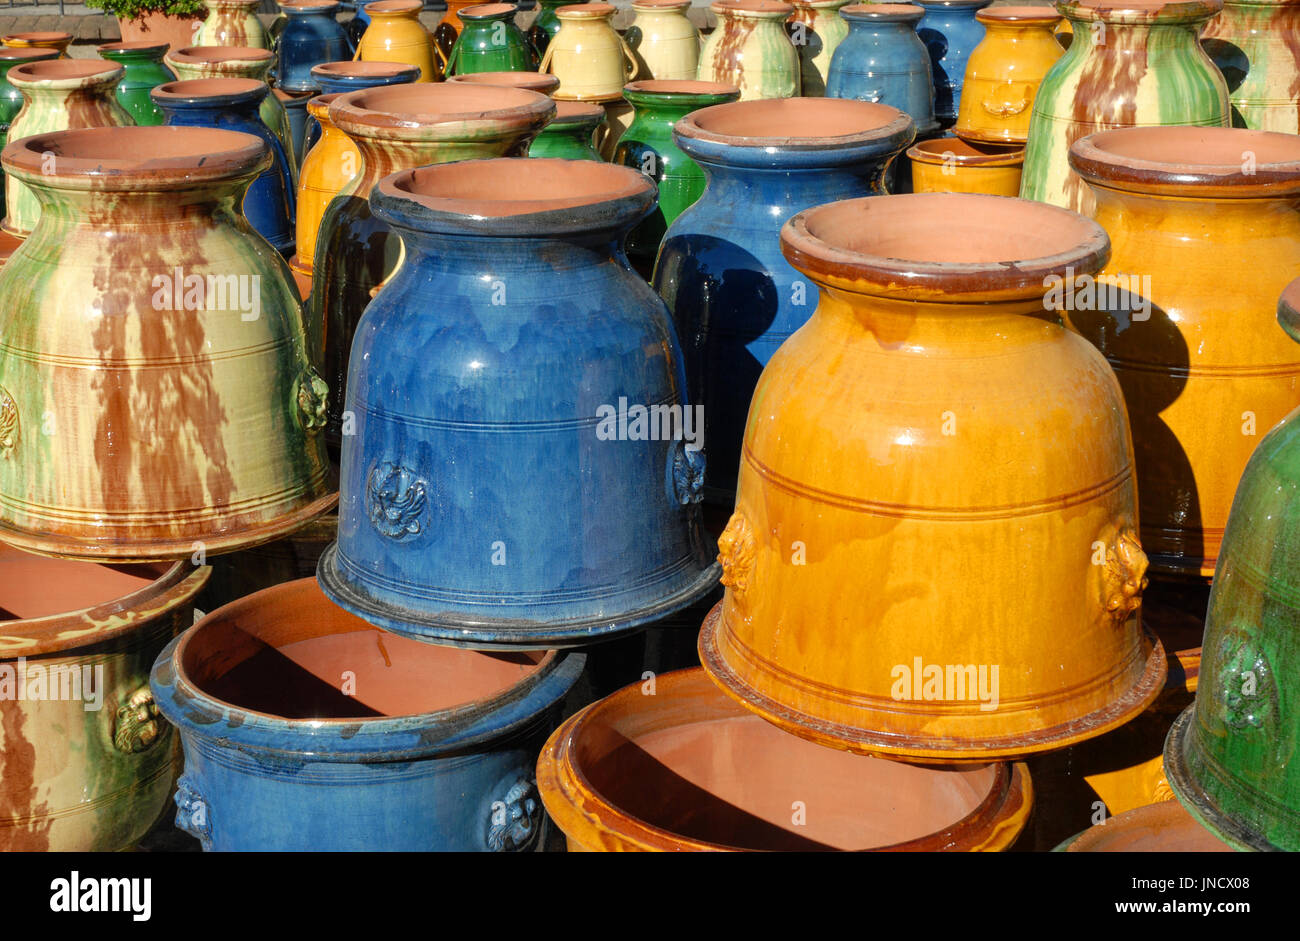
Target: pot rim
{"x": 998, "y": 156}
{"x": 1139, "y": 12}
{"x": 135, "y": 45}
{"x": 541, "y": 82}
{"x": 392, "y": 7}
{"x": 586, "y": 11}
{"x": 318, "y": 105}
{"x": 947, "y": 282}
{"x": 575, "y": 114}
{"x": 1138, "y": 817}
{"x": 20, "y": 54}
{"x": 753, "y": 9}
{"x": 83, "y": 73}
{"x": 1026, "y": 15}
{"x": 39, "y": 35}
{"x": 210, "y": 92}
{"x": 679, "y": 90}
{"x": 570, "y": 796}
{"x": 954, "y": 4}
{"x": 1094, "y": 160}
{"x": 489, "y": 11}
{"x": 176, "y": 585}
{"x": 660, "y": 5}
{"x": 365, "y": 113}
{"x": 358, "y": 70}
{"x": 220, "y": 55}
{"x": 883, "y": 12}
{"x": 351, "y": 740}
{"x": 233, "y": 4}
{"x": 305, "y": 7}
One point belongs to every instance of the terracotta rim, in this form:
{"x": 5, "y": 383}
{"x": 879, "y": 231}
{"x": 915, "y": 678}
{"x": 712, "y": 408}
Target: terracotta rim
{"x": 66, "y": 73}
{"x": 138, "y": 45}
{"x": 308, "y": 6}
{"x": 394, "y": 7}
{"x": 360, "y": 69}
{"x": 46, "y": 36}
{"x": 488, "y": 11}
{"x": 451, "y": 110}
{"x": 319, "y": 105}
{"x": 28, "y": 54}
{"x": 681, "y": 87}
{"x": 217, "y": 55}
{"x": 1096, "y": 838}
{"x": 561, "y": 781}
{"x": 1020, "y": 16}
{"x": 1140, "y": 11}
{"x": 883, "y": 11}
{"x": 539, "y": 82}
{"x": 750, "y": 123}
{"x": 660, "y": 4}
{"x": 758, "y": 9}
{"x": 575, "y": 113}
{"x": 966, "y": 153}
{"x": 200, "y": 89}
{"x": 136, "y": 159}
{"x": 1190, "y": 161}
{"x": 586, "y": 11}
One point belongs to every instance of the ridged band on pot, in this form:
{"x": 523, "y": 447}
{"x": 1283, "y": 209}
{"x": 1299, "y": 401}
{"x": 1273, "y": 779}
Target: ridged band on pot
{"x": 1189, "y": 320}
{"x": 749, "y": 48}
{"x": 1004, "y": 72}
{"x": 458, "y": 523}
{"x": 953, "y": 165}
{"x": 1253, "y": 43}
{"x": 931, "y": 343}
{"x": 305, "y": 728}
{"x": 654, "y": 767}
{"x": 85, "y": 763}
{"x": 198, "y": 429}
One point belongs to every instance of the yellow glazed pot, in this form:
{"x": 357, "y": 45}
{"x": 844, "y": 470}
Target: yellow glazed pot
{"x": 1004, "y": 72}
{"x": 952, "y": 165}
{"x": 590, "y": 59}
{"x": 1205, "y": 236}
{"x": 48, "y": 39}
{"x": 325, "y": 171}
{"x": 750, "y": 49}
{"x": 395, "y": 34}
{"x": 934, "y": 550}
{"x": 663, "y": 40}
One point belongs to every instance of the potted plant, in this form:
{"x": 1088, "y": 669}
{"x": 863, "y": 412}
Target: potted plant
{"x": 172, "y": 21}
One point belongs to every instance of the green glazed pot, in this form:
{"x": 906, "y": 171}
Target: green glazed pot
{"x": 1130, "y": 65}
{"x": 1231, "y": 757}
{"x": 1254, "y": 44}
{"x": 546, "y": 24}
{"x": 491, "y": 42}
{"x": 647, "y": 145}
{"x": 143, "y": 62}
{"x": 570, "y": 134}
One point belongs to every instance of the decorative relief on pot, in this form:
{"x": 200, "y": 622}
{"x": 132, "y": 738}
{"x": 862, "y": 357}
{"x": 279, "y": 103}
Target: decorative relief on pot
{"x": 192, "y": 812}
{"x": 736, "y": 553}
{"x": 395, "y": 499}
{"x": 8, "y": 422}
{"x": 1124, "y": 575}
{"x": 1246, "y": 683}
{"x": 516, "y": 819}
{"x": 1005, "y": 106}
{"x": 313, "y": 401}
{"x": 1162, "y": 791}
{"x": 687, "y": 470}
{"x": 136, "y": 725}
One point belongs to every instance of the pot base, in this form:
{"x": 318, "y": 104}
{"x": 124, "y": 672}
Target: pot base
{"x": 866, "y": 742}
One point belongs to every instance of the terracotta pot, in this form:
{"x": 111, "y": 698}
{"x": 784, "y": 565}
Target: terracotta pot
{"x": 529, "y": 81}
{"x": 817, "y": 29}
{"x": 326, "y": 170}
{"x": 307, "y": 729}
{"x": 883, "y": 60}
{"x": 1096, "y": 87}
{"x": 590, "y": 59}
{"x": 1188, "y": 318}
{"x": 234, "y": 104}
{"x": 663, "y": 40}
{"x": 49, "y": 39}
{"x": 312, "y": 36}
{"x": 232, "y": 23}
{"x": 176, "y": 31}
{"x": 1004, "y": 72}
{"x": 223, "y": 423}
{"x": 1229, "y": 756}
{"x": 395, "y": 128}
{"x": 750, "y": 49}
{"x": 144, "y": 71}
{"x": 950, "y": 32}
{"x": 952, "y": 165}
{"x": 686, "y": 769}
{"x": 199, "y": 62}
{"x": 395, "y": 34}
{"x": 85, "y": 764}
{"x": 570, "y": 134}
{"x": 923, "y": 294}
{"x": 546, "y": 377}
{"x": 1253, "y": 43}
{"x": 59, "y": 94}
{"x": 490, "y": 41}
{"x": 733, "y": 296}
{"x": 1157, "y": 828}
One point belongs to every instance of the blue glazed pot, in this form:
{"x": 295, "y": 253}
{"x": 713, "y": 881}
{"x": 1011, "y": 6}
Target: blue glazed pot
{"x": 337, "y": 77}
{"x": 356, "y": 27}
{"x": 733, "y": 296}
{"x": 306, "y": 729}
{"x": 295, "y": 106}
{"x": 882, "y": 59}
{"x": 490, "y": 496}
{"x": 311, "y": 36}
{"x": 232, "y": 104}
{"x": 950, "y": 33}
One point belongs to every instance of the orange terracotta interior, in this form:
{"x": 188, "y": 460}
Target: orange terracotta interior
{"x": 753, "y": 6}
{"x": 60, "y": 70}
{"x": 1016, "y": 14}
{"x": 394, "y": 6}
{"x": 576, "y": 111}
{"x": 45, "y": 36}
{"x": 221, "y": 53}
{"x": 683, "y": 86}
{"x": 586, "y": 10}
{"x": 205, "y": 87}
{"x": 1198, "y": 146}
{"x": 487, "y": 9}
{"x": 534, "y": 81}
{"x": 886, "y": 9}
{"x": 363, "y": 69}
{"x": 36, "y": 587}
{"x": 440, "y": 102}
{"x": 133, "y": 45}
{"x": 794, "y": 118}
{"x": 940, "y": 146}
{"x": 509, "y": 186}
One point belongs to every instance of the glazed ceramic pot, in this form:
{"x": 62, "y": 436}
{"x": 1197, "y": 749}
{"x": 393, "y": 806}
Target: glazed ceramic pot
{"x": 49, "y": 39}
{"x": 592, "y": 62}
{"x": 478, "y": 294}
{"x": 1228, "y": 756}
{"x": 232, "y": 23}
{"x": 338, "y": 77}
{"x": 648, "y": 146}
{"x": 446, "y": 32}
{"x": 663, "y": 40}
{"x": 687, "y": 769}
{"x": 325, "y": 171}
{"x": 59, "y": 94}
{"x": 395, "y": 34}
{"x": 1157, "y": 828}
{"x": 196, "y": 329}
{"x": 144, "y": 71}
{"x": 570, "y": 134}
{"x": 1254, "y": 46}
{"x": 883, "y": 60}
{"x": 85, "y": 764}
{"x": 816, "y": 29}
{"x": 952, "y": 165}
{"x": 950, "y": 33}
{"x": 1094, "y": 87}
{"x": 295, "y": 109}
{"x": 489, "y": 41}
{"x": 312, "y": 36}
{"x": 11, "y": 99}
{"x": 200, "y": 62}
{"x": 529, "y": 81}
{"x": 234, "y": 104}
{"x": 396, "y": 128}
{"x": 545, "y": 24}
{"x": 750, "y": 49}
{"x": 733, "y": 296}
{"x": 826, "y": 629}
{"x": 1004, "y": 72}
{"x": 304, "y": 728}
{"x": 1186, "y": 315}
{"x": 175, "y": 30}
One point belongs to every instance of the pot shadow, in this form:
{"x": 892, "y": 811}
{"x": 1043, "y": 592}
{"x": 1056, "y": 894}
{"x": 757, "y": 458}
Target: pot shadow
{"x": 1235, "y": 66}
{"x": 936, "y": 43}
